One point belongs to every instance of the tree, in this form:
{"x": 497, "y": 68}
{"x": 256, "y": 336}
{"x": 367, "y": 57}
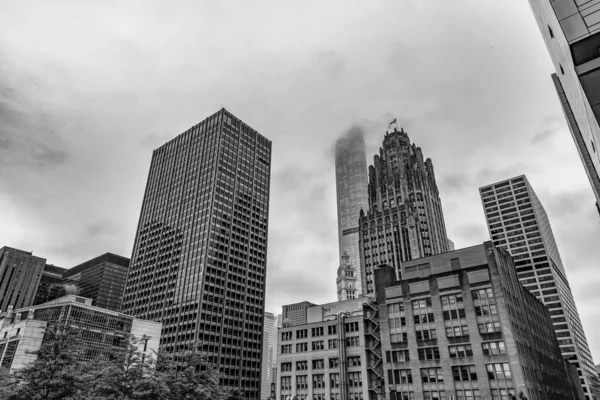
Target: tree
{"x": 57, "y": 371}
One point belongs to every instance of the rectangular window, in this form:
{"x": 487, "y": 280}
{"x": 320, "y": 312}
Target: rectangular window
{"x": 400, "y": 376}
{"x": 334, "y": 363}
{"x": 286, "y": 383}
{"x": 286, "y": 336}
{"x": 301, "y": 333}
{"x": 397, "y": 356}
{"x": 351, "y": 327}
{"x": 489, "y": 327}
{"x": 460, "y": 351}
{"x": 332, "y": 329}
{"x": 301, "y": 365}
{"x": 429, "y": 353}
{"x": 432, "y": 375}
{"x": 318, "y": 345}
{"x": 470, "y": 395}
{"x": 500, "y": 371}
{"x": 332, "y": 343}
{"x": 493, "y": 348}
{"x": 301, "y": 382}
{"x": 334, "y": 380}
{"x": 317, "y": 331}
{"x": 503, "y": 394}
{"x": 426, "y": 334}
{"x": 301, "y": 347}
{"x": 286, "y": 367}
{"x": 464, "y": 373}
{"x": 318, "y": 364}
{"x": 457, "y": 331}
{"x": 286, "y": 348}
{"x": 353, "y": 341}
{"x": 355, "y": 379}
{"x": 318, "y": 381}
{"x": 354, "y": 361}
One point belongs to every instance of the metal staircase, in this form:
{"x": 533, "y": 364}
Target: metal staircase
{"x": 373, "y": 349}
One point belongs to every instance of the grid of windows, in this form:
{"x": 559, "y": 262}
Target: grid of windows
{"x": 202, "y": 237}
{"x": 397, "y": 322}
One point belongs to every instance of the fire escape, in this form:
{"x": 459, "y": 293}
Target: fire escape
{"x": 373, "y": 350}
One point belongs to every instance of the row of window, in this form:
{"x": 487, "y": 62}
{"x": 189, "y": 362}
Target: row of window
{"x": 317, "y": 345}
{"x": 460, "y": 373}
{"x": 320, "y": 364}
{"x": 319, "y": 331}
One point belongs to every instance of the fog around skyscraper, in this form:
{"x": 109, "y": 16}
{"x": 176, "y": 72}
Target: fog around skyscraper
{"x": 87, "y": 92}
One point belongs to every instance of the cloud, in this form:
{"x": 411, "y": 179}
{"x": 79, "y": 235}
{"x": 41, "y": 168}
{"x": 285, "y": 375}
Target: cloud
{"x": 454, "y": 182}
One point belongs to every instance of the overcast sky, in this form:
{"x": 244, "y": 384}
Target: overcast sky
{"x": 89, "y": 89}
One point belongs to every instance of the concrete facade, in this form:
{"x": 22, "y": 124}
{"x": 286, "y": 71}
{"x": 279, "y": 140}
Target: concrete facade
{"x": 351, "y": 191}
{"x": 517, "y": 221}
{"x": 405, "y": 219}
{"x": 460, "y": 324}
{"x": 102, "y": 331}
{"x": 20, "y": 274}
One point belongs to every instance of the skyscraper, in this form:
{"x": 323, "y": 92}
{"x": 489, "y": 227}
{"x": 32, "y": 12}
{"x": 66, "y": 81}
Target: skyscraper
{"x": 518, "y": 222}
{"x": 101, "y": 279}
{"x": 404, "y": 220}
{"x": 570, "y": 30}
{"x": 199, "y": 259}
{"x": 50, "y": 282}
{"x": 268, "y": 353}
{"x": 351, "y": 189}
{"x": 20, "y": 274}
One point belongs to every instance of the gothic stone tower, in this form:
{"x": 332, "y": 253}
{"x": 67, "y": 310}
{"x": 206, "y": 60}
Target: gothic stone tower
{"x": 346, "y": 280}
{"x": 404, "y": 220}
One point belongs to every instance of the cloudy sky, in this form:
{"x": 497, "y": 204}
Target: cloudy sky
{"x": 89, "y": 89}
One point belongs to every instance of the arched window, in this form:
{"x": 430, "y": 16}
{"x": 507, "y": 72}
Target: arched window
{"x": 379, "y": 221}
{"x": 384, "y": 205}
{"x": 399, "y": 199}
{"x": 395, "y": 216}
{"x": 419, "y": 197}
{"x": 392, "y": 202}
{"x": 387, "y": 219}
{"x": 365, "y": 226}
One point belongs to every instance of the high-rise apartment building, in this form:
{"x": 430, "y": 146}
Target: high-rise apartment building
{"x": 101, "y": 279}
{"x": 268, "y": 354}
{"x": 404, "y": 220}
{"x": 351, "y": 190}
{"x": 199, "y": 259}
{"x": 20, "y": 274}
{"x": 572, "y": 34}
{"x": 50, "y": 283}
{"x": 518, "y": 222}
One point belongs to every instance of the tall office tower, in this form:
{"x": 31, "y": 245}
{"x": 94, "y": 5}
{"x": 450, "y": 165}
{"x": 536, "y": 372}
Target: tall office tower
{"x": 572, "y": 35}
{"x": 20, "y": 274}
{"x": 269, "y": 333}
{"x": 404, "y": 220}
{"x": 101, "y": 279}
{"x": 50, "y": 282}
{"x": 351, "y": 189}
{"x": 295, "y": 314}
{"x": 518, "y": 222}
{"x": 278, "y": 324}
{"x": 199, "y": 258}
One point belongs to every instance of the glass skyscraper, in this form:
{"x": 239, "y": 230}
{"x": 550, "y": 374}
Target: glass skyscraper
{"x": 571, "y": 30}
{"x": 518, "y": 222}
{"x": 351, "y": 189}
{"x": 199, "y": 259}
{"x": 404, "y": 220}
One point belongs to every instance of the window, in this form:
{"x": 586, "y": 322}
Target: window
{"x": 334, "y": 363}
{"x": 332, "y": 329}
{"x": 301, "y": 382}
{"x": 400, "y": 376}
{"x": 301, "y": 334}
{"x": 318, "y": 381}
{"x": 351, "y": 327}
{"x": 457, "y": 331}
{"x": 318, "y": 364}
{"x": 432, "y": 375}
{"x": 354, "y": 361}
{"x": 464, "y": 373}
{"x": 493, "y": 348}
{"x": 499, "y": 371}
{"x": 286, "y": 348}
{"x": 354, "y": 379}
{"x": 334, "y": 380}
{"x": 286, "y": 367}
{"x": 427, "y": 334}
{"x": 397, "y": 321}
{"x": 460, "y": 351}
{"x": 424, "y": 318}
{"x": 429, "y": 353}
{"x": 503, "y": 394}
{"x": 318, "y": 345}
{"x": 397, "y": 356}
{"x": 489, "y": 327}
{"x": 482, "y": 293}
{"x": 286, "y": 336}
{"x": 423, "y": 303}
{"x": 486, "y": 310}
{"x": 317, "y": 331}
{"x": 332, "y": 343}
{"x": 468, "y": 394}
{"x": 301, "y": 365}
{"x": 301, "y": 347}
{"x": 286, "y": 383}
{"x": 353, "y": 341}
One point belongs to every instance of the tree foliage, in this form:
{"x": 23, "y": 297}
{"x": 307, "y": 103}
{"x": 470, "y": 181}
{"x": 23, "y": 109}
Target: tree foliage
{"x": 63, "y": 372}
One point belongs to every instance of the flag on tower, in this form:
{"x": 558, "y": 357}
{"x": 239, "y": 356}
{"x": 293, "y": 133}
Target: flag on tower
{"x": 392, "y": 123}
